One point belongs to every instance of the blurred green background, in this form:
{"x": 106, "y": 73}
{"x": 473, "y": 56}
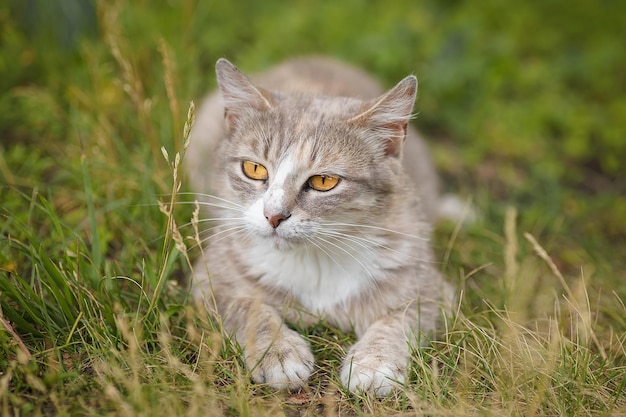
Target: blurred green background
{"x": 523, "y": 103}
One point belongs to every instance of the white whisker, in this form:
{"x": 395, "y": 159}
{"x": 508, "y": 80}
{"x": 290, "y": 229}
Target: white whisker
{"x": 364, "y": 243}
{"x": 365, "y": 268}
{"x": 220, "y": 221}
{"x": 205, "y": 233}
{"x": 232, "y": 203}
{"x": 323, "y": 249}
{"x": 207, "y": 204}
{"x": 241, "y": 226}
{"x": 229, "y": 232}
{"x": 368, "y": 226}
{"x": 369, "y": 244}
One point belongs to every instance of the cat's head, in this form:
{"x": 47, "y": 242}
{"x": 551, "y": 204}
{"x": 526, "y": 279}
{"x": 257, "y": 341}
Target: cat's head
{"x": 299, "y": 163}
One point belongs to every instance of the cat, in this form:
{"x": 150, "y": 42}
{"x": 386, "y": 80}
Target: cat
{"x": 322, "y": 199}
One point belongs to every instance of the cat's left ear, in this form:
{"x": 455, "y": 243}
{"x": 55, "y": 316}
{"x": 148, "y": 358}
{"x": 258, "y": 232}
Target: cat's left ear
{"x": 389, "y": 114}
{"x": 238, "y": 93}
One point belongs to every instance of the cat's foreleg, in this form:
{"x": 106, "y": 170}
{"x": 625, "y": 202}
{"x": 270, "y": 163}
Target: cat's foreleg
{"x": 377, "y": 362}
{"x": 274, "y": 354}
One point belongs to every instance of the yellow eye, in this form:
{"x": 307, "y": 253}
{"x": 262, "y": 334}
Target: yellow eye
{"x": 323, "y": 182}
{"x": 254, "y": 171}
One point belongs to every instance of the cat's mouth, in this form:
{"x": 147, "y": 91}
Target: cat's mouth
{"x": 285, "y": 236}
{"x": 281, "y": 241}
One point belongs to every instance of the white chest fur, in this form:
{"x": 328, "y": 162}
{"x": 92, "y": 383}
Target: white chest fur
{"x": 318, "y": 279}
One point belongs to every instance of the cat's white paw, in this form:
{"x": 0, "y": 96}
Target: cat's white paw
{"x": 371, "y": 374}
{"x": 286, "y": 364}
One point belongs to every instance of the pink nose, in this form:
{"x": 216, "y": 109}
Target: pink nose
{"x": 276, "y": 219}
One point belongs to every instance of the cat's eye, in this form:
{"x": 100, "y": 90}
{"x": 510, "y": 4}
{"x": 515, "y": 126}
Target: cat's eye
{"x": 323, "y": 182}
{"x": 254, "y": 171}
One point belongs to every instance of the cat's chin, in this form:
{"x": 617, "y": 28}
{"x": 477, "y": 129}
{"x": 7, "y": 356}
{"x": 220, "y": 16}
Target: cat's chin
{"x": 279, "y": 243}
{"x": 283, "y": 244}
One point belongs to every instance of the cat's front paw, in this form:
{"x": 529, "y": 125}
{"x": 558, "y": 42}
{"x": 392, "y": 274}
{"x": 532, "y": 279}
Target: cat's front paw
{"x": 372, "y": 373}
{"x": 286, "y": 364}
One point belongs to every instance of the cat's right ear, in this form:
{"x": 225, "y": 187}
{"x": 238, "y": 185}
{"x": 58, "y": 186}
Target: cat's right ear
{"x": 389, "y": 115}
{"x": 239, "y": 95}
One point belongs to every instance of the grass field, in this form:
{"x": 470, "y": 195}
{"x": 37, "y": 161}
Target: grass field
{"x": 524, "y": 106}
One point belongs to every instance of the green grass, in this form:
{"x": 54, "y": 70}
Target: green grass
{"x": 524, "y": 109}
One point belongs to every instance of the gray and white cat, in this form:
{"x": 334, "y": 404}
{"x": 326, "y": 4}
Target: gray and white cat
{"x": 321, "y": 210}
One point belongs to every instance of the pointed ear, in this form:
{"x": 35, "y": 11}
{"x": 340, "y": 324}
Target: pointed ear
{"x": 238, "y": 93}
{"x": 389, "y": 114}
